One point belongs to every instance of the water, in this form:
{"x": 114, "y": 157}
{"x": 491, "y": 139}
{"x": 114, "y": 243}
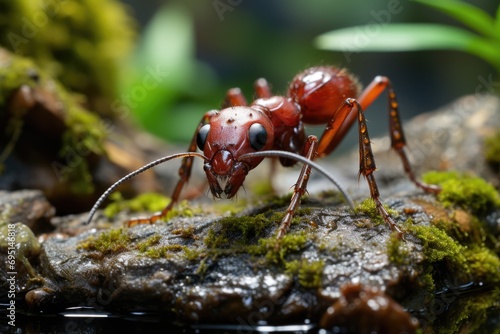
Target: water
{"x": 87, "y": 321}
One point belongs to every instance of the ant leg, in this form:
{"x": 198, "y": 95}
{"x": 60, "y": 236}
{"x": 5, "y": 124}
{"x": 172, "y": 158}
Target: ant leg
{"x": 366, "y": 159}
{"x": 184, "y": 174}
{"x": 398, "y": 141}
{"x": 300, "y": 187}
{"x": 367, "y": 164}
{"x": 343, "y": 120}
{"x": 262, "y": 89}
{"x": 234, "y": 98}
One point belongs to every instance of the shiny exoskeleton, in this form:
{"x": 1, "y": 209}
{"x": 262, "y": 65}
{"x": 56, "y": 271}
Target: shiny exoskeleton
{"x": 326, "y": 95}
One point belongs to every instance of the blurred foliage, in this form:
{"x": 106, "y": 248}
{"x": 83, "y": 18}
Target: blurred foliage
{"x": 79, "y": 42}
{"x": 235, "y": 45}
{"x": 484, "y": 42}
{"x": 189, "y": 53}
{"x": 83, "y": 130}
{"x": 165, "y": 81}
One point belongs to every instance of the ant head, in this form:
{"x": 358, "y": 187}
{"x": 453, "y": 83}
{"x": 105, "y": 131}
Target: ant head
{"x": 231, "y": 133}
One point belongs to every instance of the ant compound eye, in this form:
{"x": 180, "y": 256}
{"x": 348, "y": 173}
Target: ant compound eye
{"x": 201, "y": 138}
{"x": 258, "y": 136}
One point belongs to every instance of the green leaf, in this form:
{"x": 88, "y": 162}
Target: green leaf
{"x": 487, "y": 49}
{"x": 471, "y": 16}
{"x": 163, "y": 70}
{"x": 396, "y": 37}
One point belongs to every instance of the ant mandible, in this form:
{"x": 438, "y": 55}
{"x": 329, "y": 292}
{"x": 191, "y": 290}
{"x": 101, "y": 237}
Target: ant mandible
{"x": 236, "y": 138}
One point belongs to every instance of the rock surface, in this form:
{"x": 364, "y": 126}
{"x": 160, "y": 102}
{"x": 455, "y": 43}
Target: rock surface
{"x": 208, "y": 265}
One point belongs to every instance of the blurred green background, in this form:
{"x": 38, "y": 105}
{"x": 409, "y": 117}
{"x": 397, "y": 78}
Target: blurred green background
{"x": 186, "y": 54}
{"x": 210, "y": 46}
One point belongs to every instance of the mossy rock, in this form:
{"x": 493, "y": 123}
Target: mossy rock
{"x": 53, "y": 143}
{"x": 80, "y": 43}
{"x": 39, "y": 104}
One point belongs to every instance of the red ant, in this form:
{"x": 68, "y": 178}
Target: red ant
{"x": 236, "y": 139}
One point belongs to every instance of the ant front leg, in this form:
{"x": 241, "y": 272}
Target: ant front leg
{"x": 184, "y": 174}
{"x": 300, "y": 187}
{"x": 262, "y": 89}
{"x": 234, "y": 98}
{"x": 366, "y": 158}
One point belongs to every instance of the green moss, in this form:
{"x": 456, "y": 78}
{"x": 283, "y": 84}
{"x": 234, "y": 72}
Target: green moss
{"x": 463, "y": 227}
{"x": 148, "y": 243}
{"x": 84, "y": 130}
{"x": 396, "y": 250}
{"x": 309, "y": 273}
{"x": 483, "y": 264}
{"x": 492, "y": 149}
{"x": 302, "y": 212}
{"x": 186, "y": 232}
{"x": 109, "y": 242}
{"x": 426, "y": 280}
{"x": 192, "y": 254}
{"x": 19, "y": 71}
{"x": 144, "y": 202}
{"x": 85, "y": 133}
{"x": 468, "y": 314}
{"x": 471, "y": 193}
{"x": 438, "y": 246}
{"x": 367, "y": 207}
{"x": 275, "y": 251}
{"x": 202, "y": 268}
{"x": 442, "y": 254}
{"x": 292, "y": 242}
{"x": 84, "y": 57}
{"x": 150, "y": 249}
{"x": 233, "y": 232}
{"x": 445, "y": 255}
{"x": 150, "y": 202}
{"x": 165, "y": 251}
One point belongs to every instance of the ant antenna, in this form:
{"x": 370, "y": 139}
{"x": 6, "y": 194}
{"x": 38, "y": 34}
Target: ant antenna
{"x": 136, "y": 172}
{"x": 290, "y": 155}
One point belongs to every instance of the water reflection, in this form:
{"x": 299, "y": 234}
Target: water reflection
{"x": 89, "y": 321}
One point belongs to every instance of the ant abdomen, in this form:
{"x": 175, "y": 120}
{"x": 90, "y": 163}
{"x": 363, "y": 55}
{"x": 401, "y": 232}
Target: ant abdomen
{"x": 319, "y": 91}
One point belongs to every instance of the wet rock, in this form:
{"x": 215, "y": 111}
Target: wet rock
{"x": 52, "y": 143}
{"x": 211, "y": 265}
{"x": 218, "y": 272}
{"x": 21, "y": 212}
{"x": 30, "y": 207}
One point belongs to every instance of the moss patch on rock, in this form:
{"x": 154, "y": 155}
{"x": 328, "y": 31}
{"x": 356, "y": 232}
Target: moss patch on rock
{"x": 149, "y": 202}
{"x": 465, "y": 191}
{"x": 276, "y": 252}
{"x": 84, "y": 57}
{"x": 84, "y": 133}
{"x": 109, "y": 242}
{"x": 367, "y": 207}
{"x": 492, "y": 149}
{"x": 308, "y": 273}
{"x": 438, "y": 246}
{"x": 238, "y": 232}
{"x": 483, "y": 263}
{"x": 446, "y": 255}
